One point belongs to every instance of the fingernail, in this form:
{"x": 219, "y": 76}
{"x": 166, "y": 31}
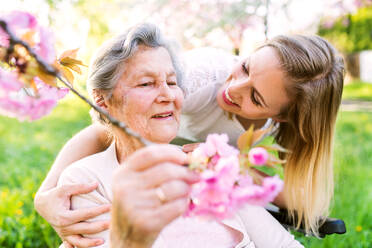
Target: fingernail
{"x": 100, "y": 242}
{"x": 194, "y": 176}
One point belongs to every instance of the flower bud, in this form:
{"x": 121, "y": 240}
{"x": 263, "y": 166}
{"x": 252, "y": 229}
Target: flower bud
{"x": 258, "y": 156}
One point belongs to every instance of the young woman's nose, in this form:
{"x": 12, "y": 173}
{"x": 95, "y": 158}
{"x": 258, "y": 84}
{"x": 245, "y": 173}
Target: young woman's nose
{"x": 238, "y": 86}
{"x": 165, "y": 93}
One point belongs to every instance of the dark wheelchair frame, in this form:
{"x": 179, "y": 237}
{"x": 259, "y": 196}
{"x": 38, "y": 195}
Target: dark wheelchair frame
{"x": 328, "y": 225}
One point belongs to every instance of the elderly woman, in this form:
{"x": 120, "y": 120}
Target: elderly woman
{"x": 135, "y": 78}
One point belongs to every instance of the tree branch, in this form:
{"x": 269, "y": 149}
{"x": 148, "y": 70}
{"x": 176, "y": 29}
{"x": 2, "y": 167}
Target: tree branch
{"x": 13, "y": 40}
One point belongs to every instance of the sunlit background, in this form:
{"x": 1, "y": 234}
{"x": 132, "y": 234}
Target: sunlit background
{"x": 27, "y": 150}
{"x": 227, "y": 24}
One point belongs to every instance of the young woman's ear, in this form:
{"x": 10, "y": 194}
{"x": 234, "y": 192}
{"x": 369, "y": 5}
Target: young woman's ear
{"x": 99, "y": 99}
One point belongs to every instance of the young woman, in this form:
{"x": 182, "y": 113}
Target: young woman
{"x": 295, "y": 81}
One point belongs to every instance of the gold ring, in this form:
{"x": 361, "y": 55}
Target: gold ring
{"x": 160, "y": 194}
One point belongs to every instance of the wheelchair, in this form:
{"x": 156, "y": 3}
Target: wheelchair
{"x": 329, "y": 225}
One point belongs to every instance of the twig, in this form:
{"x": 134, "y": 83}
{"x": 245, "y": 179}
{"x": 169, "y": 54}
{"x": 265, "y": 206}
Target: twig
{"x": 13, "y": 40}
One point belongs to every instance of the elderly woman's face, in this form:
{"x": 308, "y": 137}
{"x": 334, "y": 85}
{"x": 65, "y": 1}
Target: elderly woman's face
{"x": 147, "y": 97}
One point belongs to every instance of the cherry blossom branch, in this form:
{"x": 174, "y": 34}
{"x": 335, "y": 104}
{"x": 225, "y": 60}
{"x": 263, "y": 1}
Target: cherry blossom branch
{"x": 47, "y": 68}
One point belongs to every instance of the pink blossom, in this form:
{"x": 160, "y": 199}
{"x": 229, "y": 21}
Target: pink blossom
{"x": 48, "y": 92}
{"x": 256, "y": 194}
{"x": 41, "y": 108}
{"x": 18, "y": 22}
{"x": 45, "y": 46}
{"x": 211, "y": 196}
{"x": 328, "y": 24}
{"x": 9, "y": 81}
{"x": 222, "y": 188}
{"x": 4, "y": 38}
{"x": 258, "y": 156}
{"x": 217, "y": 144}
{"x": 20, "y": 19}
{"x": 14, "y": 108}
{"x": 24, "y": 107}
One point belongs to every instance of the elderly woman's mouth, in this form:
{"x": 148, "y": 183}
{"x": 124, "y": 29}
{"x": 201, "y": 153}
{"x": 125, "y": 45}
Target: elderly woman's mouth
{"x": 163, "y": 116}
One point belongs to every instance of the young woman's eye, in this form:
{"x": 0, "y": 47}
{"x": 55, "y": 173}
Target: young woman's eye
{"x": 254, "y": 100}
{"x": 245, "y": 68}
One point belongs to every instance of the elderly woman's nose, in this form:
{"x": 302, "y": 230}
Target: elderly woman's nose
{"x": 166, "y": 93}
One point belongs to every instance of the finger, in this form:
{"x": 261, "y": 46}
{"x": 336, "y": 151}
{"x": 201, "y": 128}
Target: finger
{"x": 85, "y": 228}
{"x": 80, "y": 241}
{"x": 66, "y": 245}
{"x": 172, "y": 190}
{"x": 77, "y": 188}
{"x": 83, "y": 214}
{"x": 190, "y": 147}
{"x": 152, "y": 155}
{"x": 164, "y": 172}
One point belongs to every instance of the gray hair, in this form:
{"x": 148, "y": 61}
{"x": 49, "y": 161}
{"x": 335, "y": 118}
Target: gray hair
{"x": 108, "y": 63}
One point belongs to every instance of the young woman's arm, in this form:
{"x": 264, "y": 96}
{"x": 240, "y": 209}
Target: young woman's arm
{"x": 90, "y": 140}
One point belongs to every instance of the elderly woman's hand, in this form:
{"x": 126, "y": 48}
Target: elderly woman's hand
{"x": 54, "y": 206}
{"x": 150, "y": 190}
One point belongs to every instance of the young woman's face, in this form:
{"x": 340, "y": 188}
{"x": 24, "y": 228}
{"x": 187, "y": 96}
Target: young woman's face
{"x": 256, "y": 87}
{"x": 147, "y": 97}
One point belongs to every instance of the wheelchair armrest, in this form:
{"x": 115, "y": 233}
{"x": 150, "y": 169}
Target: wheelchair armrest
{"x": 330, "y": 225}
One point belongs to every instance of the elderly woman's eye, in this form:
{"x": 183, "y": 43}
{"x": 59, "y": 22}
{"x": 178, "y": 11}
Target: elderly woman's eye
{"x": 146, "y": 84}
{"x": 172, "y": 83}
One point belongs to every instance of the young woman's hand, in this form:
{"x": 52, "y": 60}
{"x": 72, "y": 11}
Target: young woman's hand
{"x": 150, "y": 190}
{"x": 190, "y": 147}
{"x": 54, "y": 206}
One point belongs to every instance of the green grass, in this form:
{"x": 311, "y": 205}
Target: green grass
{"x": 28, "y": 150}
{"x": 353, "y": 188}
{"x": 358, "y": 90}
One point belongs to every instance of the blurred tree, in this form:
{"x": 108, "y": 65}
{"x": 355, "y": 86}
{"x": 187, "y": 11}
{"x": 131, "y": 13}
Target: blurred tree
{"x": 351, "y": 33}
{"x": 199, "y": 19}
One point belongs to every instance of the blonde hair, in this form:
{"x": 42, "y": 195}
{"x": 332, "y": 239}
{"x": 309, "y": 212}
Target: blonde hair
{"x": 314, "y": 82}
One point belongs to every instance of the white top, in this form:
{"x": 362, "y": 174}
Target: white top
{"x": 206, "y": 70}
{"x": 251, "y": 227}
